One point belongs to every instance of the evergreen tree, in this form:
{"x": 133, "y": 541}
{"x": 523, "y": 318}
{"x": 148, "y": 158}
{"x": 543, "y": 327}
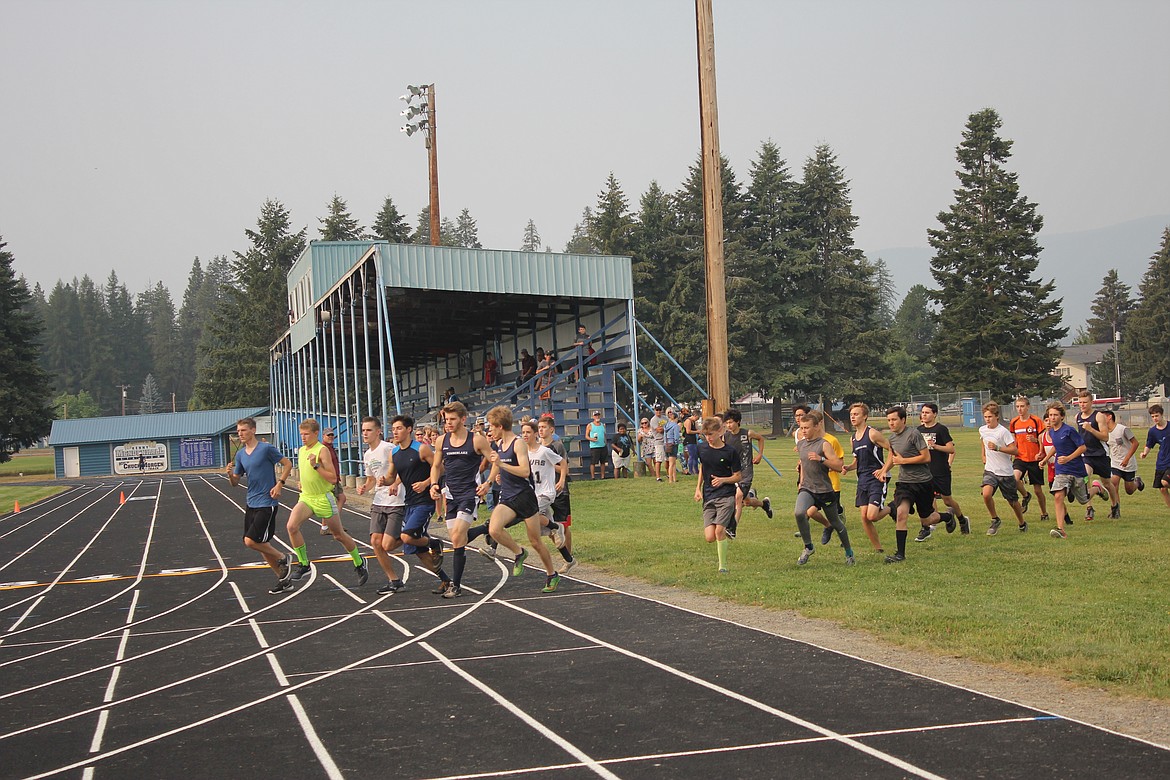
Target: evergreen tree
{"x": 422, "y": 234}
{"x": 531, "y": 242}
{"x": 339, "y": 224}
{"x": 25, "y": 392}
{"x": 162, "y": 335}
{"x": 62, "y": 351}
{"x": 1111, "y": 308}
{"x": 150, "y": 402}
{"x": 466, "y": 231}
{"x": 1145, "y": 342}
{"x": 581, "y": 242}
{"x": 234, "y": 346}
{"x": 999, "y": 326}
{"x": 127, "y": 335}
{"x": 103, "y": 367}
{"x": 391, "y": 226}
{"x": 652, "y": 242}
{"x": 611, "y": 225}
{"x": 913, "y": 330}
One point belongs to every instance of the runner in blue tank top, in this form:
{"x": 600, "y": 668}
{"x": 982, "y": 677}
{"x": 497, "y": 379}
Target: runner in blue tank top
{"x": 461, "y": 453}
{"x": 509, "y": 460}
{"x": 868, "y": 459}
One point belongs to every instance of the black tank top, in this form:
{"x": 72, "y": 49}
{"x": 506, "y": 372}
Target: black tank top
{"x": 1094, "y": 447}
{"x": 510, "y": 484}
{"x": 870, "y": 457}
{"x": 460, "y": 464}
{"x": 412, "y": 468}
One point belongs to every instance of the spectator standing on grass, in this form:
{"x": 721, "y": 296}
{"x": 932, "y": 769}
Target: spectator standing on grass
{"x": 257, "y": 460}
{"x": 815, "y": 497}
{"x": 646, "y": 444}
{"x": 1159, "y": 436}
{"x": 621, "y": 452}
{"x": 598, "y": 446}
{"x": 942, "y": 455}
{"x": 1026, "y": 428}
{"x": 672, "y": 436}
{"x": 719, "y": 472}
{"x": 1122, "y": 446}
{"x": 1067, "y": 447}
{"x": 998, "y": 448}
{"x": 690, "y": 431}
{"x": 658, "y": 430}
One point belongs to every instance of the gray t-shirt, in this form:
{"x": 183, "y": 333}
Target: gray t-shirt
{"x": 814, "y": 474}
{"x": 658, "y": 428}
{"x": 909, "y": 444}
{"x": 742, "y": 441}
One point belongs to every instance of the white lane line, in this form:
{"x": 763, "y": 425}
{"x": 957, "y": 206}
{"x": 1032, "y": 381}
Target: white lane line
{"x": 344, "y": 589}
{"x": 383, "y": 667}
{"x": 564, "y": 744}
{"x": 469, "y": 610}
{"x": 259, "y": 634}
{"x": 331, "y": 768}
{"x": 905, "y": 766}
{"x": 277, "y": 670}
{"x": 239, "y": 596}
{"x": 96, "y": 743}
{"x": 27, "y": 612}
{"x": 108, "y": 696}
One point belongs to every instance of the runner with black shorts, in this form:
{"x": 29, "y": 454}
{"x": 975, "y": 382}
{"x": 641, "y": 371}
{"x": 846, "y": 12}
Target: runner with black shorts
{"x": 1159, "y": 436}
{"x": 1027, "y": 428}
{"x": 719, "y": 472}
{"x": 562, "y": 512}
{"x": 388, "y": 504}
{"x": 461, "y": 454}
{"x": 942, "y": 453}
{"x": 868, "y": 459}
{"x": 815, "y": 498}
{"x": 915, "y": 488}
{"x": 736, "y": 435}
{"x": 509, "y": 457}
{"x": 1091, "y": 426}
{"x": 256, "y": 460}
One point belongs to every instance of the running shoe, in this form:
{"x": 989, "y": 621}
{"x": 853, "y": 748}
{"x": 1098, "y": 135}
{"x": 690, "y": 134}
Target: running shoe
{"x": 1027, "y": 500}
{"x": 558, "y": 535}
{"x": 767, "y": 507}
{"x": 827, "y": 535}
{"x": 492, "y": 545}
{"x": 518, "y": 564}
{"x": 300, "y": 571}
{"x": 453, "y": 592}
{"x": 280, "y": 587}
{"x": 1141, "y": 485}
{"x": 1090, "y": 513}
{"x": 1023, "y": 528}
{"x": 1115, "y": 512}
{"x": 731, "y": 528}
{"x": 805, "y": 555}
{"x": 390, "y": 587}
{"x": 551, "y": 582}
{"x": 849, "y": 560}
{"x": 566, "y": 566}
{"x": 285, "y": 567}
{"x": 964, "y": 524}
{"x": 724, "y": 571}
{"x": 751, "y": 493}
{"x": 363, "y": 574}
{"x": 895, "y": 558}
{"x": 951, "y": 522}
{"x": 1056, "y": 533}
{"x": 993, "y": 529}
{"x": 444, "y": 586}
{"x": 924, "y": 534}
{"x": 1043, "y": 518}
{"x": 1102, "y": 493}
{"x": 324, "y": 530}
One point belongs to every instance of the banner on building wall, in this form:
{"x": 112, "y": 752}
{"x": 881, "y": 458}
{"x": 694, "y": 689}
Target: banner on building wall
{"x": 196, "y": 453}
{"x": 140, "y": 457}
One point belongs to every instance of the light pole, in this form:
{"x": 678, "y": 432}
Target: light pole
{"x": 1117, "y": 356}
{"x": 425, "y": 108}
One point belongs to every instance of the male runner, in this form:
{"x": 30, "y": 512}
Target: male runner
{"x": 388, "y": 505}
{"x": 915, "y": 489}
{"x": 1122, "y": 446}
{"x": 834, "y": 479}
{"x": 318, "y": 476}
{"x": 327, "y": 438}
{"x": 942, "y": 451}
{"x": 719, "y": 473}
{"x": 999, "y": 445}
{"x": 1067, "y": 446}
{"x": 738, "y": 436}
{"x": 256, "y": 459}
{"x": 1026, "y": 428}
{"x": 817, "y": 458}
{"x": 461, "y": 452}
{"x": 868, "y": 459}
{"x": 562, "y": 512}
{"x": 509, "y": 457}
{"x": 1159, "y": 436}
{"x": 1091, "y": 427}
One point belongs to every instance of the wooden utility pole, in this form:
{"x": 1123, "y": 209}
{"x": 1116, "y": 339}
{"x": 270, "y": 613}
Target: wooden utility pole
{"x": 717, "y": 378}
{"x": 433, "y": 162}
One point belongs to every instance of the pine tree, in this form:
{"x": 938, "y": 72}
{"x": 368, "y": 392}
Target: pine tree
{"x": 339, "y": 224}
{"x": 1145, "y": 342}
{"x": 611, "y": 225}
{"x": 913, "y": 331}
{"x": 391, "y": 226}
{"x": 25, "y": 392}
{"x": 466, "y": 231}
{"x": 102, "y": 359}
{"x": 998, "y": 324}
{"x": 62, "y": 351}
{"x": 150, "y": 402}
{"x": 581, "y": 242}
{"x": 162, "y": 335}
{"x": 1111, "y": 308}
{"x": 531, "y": 242}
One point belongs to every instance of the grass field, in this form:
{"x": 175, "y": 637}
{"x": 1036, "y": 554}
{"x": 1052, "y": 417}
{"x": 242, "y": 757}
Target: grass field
{"x": 1092, "y": 609}
{"x": 34, "y": 463}
{"x": 25, "y": 494}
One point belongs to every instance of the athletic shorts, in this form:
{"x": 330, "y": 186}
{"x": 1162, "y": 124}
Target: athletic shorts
{"x": 1005, "y": 485}
{"x": 462, "y": 507}
{"x": 1029, "y": 469}
{"x": 719, "y": 511}
{"x": 619, "y": 462}
{"x": 919, "y": 494}
{"x": 871, "y": 492}
{"x": 826, "y": 502}
{"x": 597, "y": 456}
{"x": 544, "y": 505}
{"x": 941, "y": 484}
{"x": 1125, "y": 476}
{"x": 560, "y": 509}
{"x": 1099, "y": 465}
{"x": 387, "y": 520}
{"x": 1162, "y": 478}
{"x": 260, "y": 523}
{"x": 745, "y": 487}
{"x": 523, "y": 504}
{"x": 1073, "y": 486}
{"x": 416, "y": 519}
{"x": 324, "y": 506}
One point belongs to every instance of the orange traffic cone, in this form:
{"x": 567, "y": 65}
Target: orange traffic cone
{"x": 122, "y": 497}
{"x": 15, "y": 507}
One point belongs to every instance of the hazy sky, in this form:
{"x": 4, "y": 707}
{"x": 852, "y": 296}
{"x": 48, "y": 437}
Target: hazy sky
{"x": 136, "y": 136}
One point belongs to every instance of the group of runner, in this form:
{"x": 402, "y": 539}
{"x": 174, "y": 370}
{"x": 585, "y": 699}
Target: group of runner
{"x": 406, "y": 478}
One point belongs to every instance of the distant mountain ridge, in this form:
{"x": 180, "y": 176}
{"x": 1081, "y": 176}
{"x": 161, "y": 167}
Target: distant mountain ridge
{"x": 1077, "y": 261}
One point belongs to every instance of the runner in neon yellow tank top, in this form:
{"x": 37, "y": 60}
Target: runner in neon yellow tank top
{"x": 318, "y": 473}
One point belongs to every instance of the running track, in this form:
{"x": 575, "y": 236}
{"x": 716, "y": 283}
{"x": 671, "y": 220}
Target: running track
{"x": 138, "y": 640}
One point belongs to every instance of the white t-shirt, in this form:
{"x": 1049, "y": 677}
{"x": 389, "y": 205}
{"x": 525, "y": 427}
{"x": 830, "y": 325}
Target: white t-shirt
{"x": 543, "y": 463}
{"x": 1118, "y": 444}
{"x": 998, "y": 463}
{"x": 377, "y": 463}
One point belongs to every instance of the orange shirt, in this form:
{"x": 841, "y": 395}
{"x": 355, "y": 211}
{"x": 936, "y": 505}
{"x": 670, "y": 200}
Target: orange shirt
{"x": 1027, "y": 432}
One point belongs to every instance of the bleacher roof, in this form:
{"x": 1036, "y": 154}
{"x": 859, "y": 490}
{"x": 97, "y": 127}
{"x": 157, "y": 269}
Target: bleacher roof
{"x": 135, "y": 427}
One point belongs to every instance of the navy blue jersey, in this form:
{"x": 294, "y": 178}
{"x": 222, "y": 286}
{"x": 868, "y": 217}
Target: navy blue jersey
{"x": 1094, "y": 447}
{"x": 870, "y": 457}
{"x": 411, "y": 468}
{"x": 460, "y": 464}
{"x": 510, "y": 484}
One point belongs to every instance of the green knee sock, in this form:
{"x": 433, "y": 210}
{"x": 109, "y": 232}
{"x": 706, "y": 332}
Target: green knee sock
{"x": 356, "y": 554}
{"x": 721, "y": 546}
{"x": 302, "y": 554}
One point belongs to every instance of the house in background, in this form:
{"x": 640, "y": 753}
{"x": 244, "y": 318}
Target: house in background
{"x": 1076, "y": 367}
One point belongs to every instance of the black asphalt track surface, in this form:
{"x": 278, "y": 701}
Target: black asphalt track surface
{"x": 138, "y": 640}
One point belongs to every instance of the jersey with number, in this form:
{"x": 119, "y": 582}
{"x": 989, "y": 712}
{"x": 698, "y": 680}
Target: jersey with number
{"x": 543, "y": 463}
